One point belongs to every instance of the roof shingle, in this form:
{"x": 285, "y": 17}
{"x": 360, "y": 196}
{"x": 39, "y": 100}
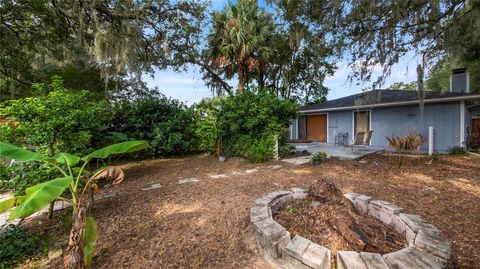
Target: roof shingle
{"x": 376, "y": 97}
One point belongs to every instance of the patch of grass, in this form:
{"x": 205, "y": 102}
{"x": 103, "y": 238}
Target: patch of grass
{"x": 457, "y": 151}
{"x": 17, "y": 246}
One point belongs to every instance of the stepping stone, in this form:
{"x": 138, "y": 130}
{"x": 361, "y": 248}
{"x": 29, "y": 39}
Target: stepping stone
{"x": 219, "y": 176}
{"x": 106, "y": 195}
{"x": 274, "y": 167}
{"x": 298, "y": 160}
{"x": 60, "y": 205}
{"x": 5, "y": 196}
{"x": 55, "y": 253}
{"x": 152, "y": 187}
{"x": 188, "y": 180}
{"x": 249, "y": 171}
{"x": 4, "y": 219}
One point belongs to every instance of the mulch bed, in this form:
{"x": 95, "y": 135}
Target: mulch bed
{"x": 206, "y": 224}
{"x": 329, "y": 219}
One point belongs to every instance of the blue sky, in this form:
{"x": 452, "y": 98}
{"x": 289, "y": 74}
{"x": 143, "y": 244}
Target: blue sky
{"x": 188, "y": 86}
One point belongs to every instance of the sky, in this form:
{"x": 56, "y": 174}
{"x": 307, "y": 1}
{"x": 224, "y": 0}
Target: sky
{"x": 189, "y": 87}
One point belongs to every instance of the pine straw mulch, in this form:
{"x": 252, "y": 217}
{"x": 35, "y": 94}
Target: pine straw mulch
{"x": 206, "y": 224}
{"x": 329, "y": 219}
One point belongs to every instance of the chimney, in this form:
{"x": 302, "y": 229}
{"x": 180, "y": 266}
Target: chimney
{"x": 460, "y": 80}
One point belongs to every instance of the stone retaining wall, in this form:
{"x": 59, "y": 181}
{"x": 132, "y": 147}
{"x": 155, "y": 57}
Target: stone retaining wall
{"x": 427, "y": 248}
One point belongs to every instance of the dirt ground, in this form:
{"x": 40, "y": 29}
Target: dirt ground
{"x": 205, "y": 224}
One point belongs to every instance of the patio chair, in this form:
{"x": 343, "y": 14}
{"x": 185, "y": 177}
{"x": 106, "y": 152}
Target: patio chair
{"x": 368, "y": 137}
{"x": 341, "y": 139}
{"x": 358, "y": 140}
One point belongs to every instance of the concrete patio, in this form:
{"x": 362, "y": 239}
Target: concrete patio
{"x": 336, "y": 151}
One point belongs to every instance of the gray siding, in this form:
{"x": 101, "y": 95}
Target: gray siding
{"x": 339, "y": 121}
{"x": 403, "y": 120}
{"x": 293, "y": 129}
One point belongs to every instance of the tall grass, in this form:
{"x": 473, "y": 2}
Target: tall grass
{"x": 403, "y": 144}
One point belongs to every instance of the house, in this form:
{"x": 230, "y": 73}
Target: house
{"x": 454, "y": 116}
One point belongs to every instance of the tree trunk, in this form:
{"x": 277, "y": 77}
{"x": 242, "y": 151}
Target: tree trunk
{"x": 50, "y": 210}
{"x": 261, "y": 78}
{"x": 73, "y": 258}
{"x": 241, "y": 78}
{"x": 340, "y": 214}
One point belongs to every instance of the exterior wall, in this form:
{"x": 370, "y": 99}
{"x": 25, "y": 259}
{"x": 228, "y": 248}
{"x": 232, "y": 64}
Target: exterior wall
{"x": 339, "y": 122}
{"x": 293, "y": 130}
{"x": 403, "y": 120}
{"x": 468, "y": 125}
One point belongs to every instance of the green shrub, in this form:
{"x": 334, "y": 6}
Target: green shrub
{"x": 457, "y": 151}
{"x": 167, "y": 123}
{"x": 244, "y": 125}
{"x": 17, "y": 246}
{"x": 318, "y": 157}
{"x": 22, "y": 175}
{"x": 254, "y": 149}
{"x": 176, "y": 135}
{"x": 56, "y": 119}
{"x": 285, "y": 150}
{"x": 207, "y": 129}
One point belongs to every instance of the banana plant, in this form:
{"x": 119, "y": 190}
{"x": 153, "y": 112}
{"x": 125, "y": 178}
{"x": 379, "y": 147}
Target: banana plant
{"x": 80, "y": 183}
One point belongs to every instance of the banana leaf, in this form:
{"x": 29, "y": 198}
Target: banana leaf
{"x": 13, "y": 152}
{"x": 65, "y": 158}
{"x": 89, "y": 240}
{"x": 124, "y": 147}
{"x": 40, "y": 195}
{"x": 7, "y": 204}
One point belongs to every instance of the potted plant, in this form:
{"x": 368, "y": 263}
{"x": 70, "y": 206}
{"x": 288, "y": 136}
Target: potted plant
{"x": 318, "y": 157}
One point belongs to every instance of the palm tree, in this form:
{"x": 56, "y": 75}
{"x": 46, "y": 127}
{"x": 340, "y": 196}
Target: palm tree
{"x": 239, "y": 40}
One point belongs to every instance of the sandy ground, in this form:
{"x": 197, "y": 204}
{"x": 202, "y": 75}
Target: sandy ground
{"x": 205, "y": 224}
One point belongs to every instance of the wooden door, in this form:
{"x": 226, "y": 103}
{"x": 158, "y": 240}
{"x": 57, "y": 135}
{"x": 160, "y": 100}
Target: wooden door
{"x": 317, "y": 128}
{"x": 362, "y": 123}
{"x": 476, "y": 133}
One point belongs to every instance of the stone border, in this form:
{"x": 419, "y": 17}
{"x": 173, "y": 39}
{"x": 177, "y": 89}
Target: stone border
{"x": 427, "y": 248}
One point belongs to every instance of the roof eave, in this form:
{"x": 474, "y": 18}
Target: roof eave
{"x": 434, "y": 100}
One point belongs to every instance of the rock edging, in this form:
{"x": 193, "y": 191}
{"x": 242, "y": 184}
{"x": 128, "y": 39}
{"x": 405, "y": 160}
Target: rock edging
{"x": 427, "y": 248}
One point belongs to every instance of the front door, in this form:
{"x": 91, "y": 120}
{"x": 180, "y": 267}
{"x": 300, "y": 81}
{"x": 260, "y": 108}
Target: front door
{"x": 475, "y": 133}
{"x": 362, "y": 122}
{"x": 317, "y": 128}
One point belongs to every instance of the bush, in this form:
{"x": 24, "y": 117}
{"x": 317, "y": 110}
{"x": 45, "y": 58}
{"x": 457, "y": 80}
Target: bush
{"x": 318, "y": 157}
{"x": 22, "y": 175}
{"x": 56, "y": 119}
{"x": 285, "y": 150}
{"x": 167, "y": 123}
{"x": 176, "y": 135}
{"x": 254, "y": 149}
{"x": 244, "y": 125}
{"x": 17, "y": 246}
{"x": 207, "y": 129}
{"x": 457, "y": 151}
